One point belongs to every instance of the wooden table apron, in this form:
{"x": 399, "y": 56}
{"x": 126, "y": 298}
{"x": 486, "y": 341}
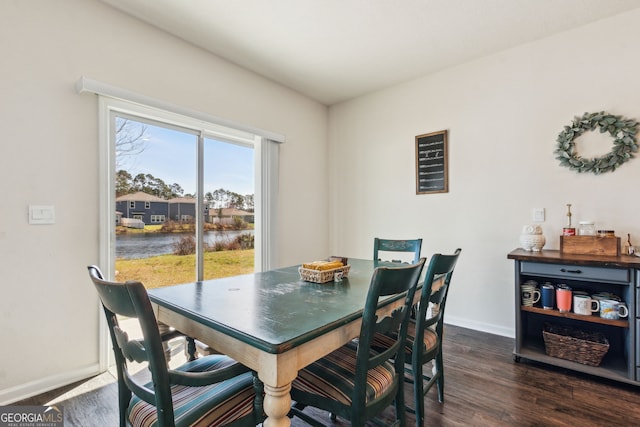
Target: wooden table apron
{"x": 272, "y": 322}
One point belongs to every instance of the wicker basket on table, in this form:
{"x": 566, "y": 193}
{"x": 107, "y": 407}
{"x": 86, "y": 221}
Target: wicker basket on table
{"x": 322, "y": 276}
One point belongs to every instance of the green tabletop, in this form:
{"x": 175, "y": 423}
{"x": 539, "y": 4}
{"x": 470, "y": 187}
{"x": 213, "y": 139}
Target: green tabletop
{"x": 274, "y": 310}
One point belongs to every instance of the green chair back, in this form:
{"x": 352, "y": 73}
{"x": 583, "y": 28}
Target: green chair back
{"x": 210, "y": 388}
{"x": 130, "y": 299}
{"x": 401, "y": 280}
{"x": 440, "y": 266}
{"x": 396, "y": 246}
{"x": 367, "y": 380}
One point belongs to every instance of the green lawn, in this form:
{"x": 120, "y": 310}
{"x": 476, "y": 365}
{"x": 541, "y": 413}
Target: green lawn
{"x": 165, "y": 270}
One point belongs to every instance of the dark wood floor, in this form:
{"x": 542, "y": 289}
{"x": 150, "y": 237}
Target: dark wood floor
{"x": 484, "y": 387}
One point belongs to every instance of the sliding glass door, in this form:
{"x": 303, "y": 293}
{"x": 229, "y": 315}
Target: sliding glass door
{"x": 184, "y": 201}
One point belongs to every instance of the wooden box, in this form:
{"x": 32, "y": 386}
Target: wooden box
{"x": 590, "y": 245}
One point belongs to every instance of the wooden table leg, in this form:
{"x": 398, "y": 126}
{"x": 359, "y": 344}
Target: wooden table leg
{"x": 277, "y": 403}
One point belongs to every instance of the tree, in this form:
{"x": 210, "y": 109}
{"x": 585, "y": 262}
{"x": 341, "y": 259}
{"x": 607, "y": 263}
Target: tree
{"x": 220, "y": 197}
{"x": 130, "y": 141}
{"x": 176, "y": 190}
{"x": 140, "y": 183}
{"x": 249, "y": 202}
{"x": 235, "y": 200}
{"x": 123, "y": 183}
{"x": 146, "y": 183}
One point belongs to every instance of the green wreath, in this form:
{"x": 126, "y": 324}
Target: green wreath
{"x": 622, "y": 130}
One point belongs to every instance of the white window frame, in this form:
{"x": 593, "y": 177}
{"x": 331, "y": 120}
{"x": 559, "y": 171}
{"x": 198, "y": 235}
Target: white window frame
{"x": 265, "y": 154}
{"x": 147, "y": 205}
{"x": 114, "y": 100}
{"x": 157, "y": 219}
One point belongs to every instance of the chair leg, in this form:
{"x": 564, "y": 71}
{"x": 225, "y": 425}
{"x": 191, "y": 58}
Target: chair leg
{"x": 401, "y": 413}
{"x": 418, "y": 393}
{"x": 191, "y": 349}
{"x": 440, "y": 374}
{"x": 258, "y": 403}
{"x": 124, "y": 397}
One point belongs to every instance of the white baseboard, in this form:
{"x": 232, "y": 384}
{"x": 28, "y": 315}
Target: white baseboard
{"x": 42, "y": 385}
{"x": 479, "y": 326}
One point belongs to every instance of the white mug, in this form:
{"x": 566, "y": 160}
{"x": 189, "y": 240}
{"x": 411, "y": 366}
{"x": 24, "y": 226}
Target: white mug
{"x": 583, "y": 304}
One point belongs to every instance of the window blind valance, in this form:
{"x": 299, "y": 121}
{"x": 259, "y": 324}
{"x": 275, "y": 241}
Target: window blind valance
{"x": 86, "y": 85}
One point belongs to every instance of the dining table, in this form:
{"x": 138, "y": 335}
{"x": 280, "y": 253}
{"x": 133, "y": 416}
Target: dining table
{"x": 272, "y": 322}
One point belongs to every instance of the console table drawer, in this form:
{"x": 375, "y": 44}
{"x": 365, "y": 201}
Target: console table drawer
{"x": 577, "y": 272}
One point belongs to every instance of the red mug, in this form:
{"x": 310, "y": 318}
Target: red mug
{"x": 563, "y": 298}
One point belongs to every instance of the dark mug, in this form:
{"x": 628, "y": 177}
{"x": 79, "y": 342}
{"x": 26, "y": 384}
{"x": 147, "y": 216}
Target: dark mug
{"x": 548, "y": 296}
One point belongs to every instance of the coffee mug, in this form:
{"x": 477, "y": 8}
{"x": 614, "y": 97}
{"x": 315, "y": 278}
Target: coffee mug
{"x": 529, "y": 293}
{"x": 613, "y": 310}
{"x": 529, "y": 296}
{"x": 548, "y": 296}
{"x": 606, "y": 295}
{"x": 583, "y": 304}
{"x": 599, "y": 297}
{"x": 563, "y": 298}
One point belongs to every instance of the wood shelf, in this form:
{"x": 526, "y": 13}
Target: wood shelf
{"x": 582, "y": 317}
{"x": 613, "y": 366}
{"x": 550, "y": 256}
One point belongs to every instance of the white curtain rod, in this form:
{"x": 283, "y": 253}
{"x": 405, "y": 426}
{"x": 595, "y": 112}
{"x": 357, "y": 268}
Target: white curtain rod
{"x": 86, "y": 85}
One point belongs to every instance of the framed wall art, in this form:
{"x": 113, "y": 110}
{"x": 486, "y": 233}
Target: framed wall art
{"x": 432, "y": 163}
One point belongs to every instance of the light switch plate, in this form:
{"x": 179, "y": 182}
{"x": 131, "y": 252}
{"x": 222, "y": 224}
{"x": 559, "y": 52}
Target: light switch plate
{"x": 42, "y": 214}
{"x": 538, "y": 214}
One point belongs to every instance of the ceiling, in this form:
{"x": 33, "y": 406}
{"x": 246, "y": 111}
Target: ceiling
{"x": 335, "y": 50}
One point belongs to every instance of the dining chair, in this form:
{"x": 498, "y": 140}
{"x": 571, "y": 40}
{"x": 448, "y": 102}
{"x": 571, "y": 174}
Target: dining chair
{"x": 167, "y": 333}
{"x": 395, "y": 247}
{"x": 211, "y": 390}
{"x": 355, "y": 382}
{"x": 425, "y": 333}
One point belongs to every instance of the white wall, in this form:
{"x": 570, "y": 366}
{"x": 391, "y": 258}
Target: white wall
{"x": 503, "y": 114}
{"x": 49, "y": 155}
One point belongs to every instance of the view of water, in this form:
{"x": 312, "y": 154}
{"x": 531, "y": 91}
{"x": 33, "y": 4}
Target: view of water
{"x": 143, "y": 245}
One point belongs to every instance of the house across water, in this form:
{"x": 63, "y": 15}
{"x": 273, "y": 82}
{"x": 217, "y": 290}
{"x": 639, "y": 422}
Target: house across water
{"x": 131, "y": 209}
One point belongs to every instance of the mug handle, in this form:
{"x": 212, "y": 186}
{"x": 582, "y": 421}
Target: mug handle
{"x": 623, "y": 311}
{"x": 595, "y": 305}
{"x": 536, "y": 296}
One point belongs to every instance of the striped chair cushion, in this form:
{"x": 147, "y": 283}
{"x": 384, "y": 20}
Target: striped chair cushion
{"x": 211, "y": 405}
{"x": 333, "y": 377}
{"x": 430, "y": 339}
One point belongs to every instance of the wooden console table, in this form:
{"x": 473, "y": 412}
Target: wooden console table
{"x": 619, "y": 275}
